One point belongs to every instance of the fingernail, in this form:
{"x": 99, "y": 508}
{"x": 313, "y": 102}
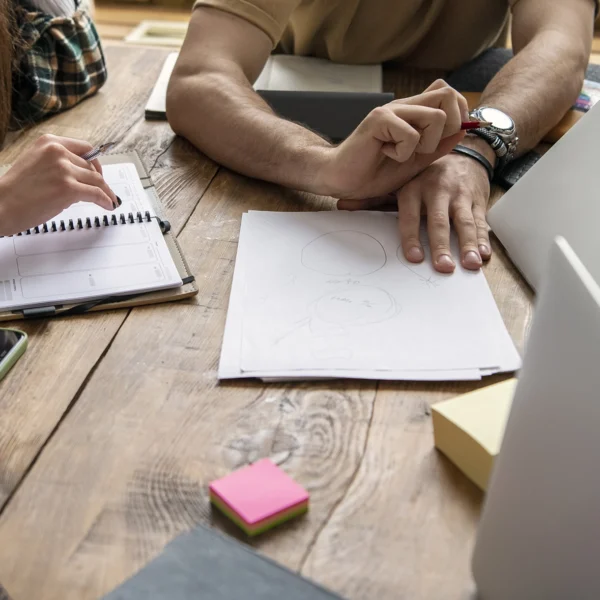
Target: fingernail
{"x": 119, "y": 201}
{"x": 415, "y": 254}
{"x": 484, "y": 250}
{"x": 445, "y": 262}
{"x": 472, "y": 259}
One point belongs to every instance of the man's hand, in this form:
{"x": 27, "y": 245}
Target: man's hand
{"x": 394, "y": 144}
{"x": 454, "y": 187}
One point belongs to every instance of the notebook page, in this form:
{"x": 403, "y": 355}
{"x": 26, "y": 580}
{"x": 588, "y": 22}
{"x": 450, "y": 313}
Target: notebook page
{"x": 90, "y": 262}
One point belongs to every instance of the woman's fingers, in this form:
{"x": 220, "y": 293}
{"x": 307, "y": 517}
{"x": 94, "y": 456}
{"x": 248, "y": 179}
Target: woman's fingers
{"x": 90, "y": 193}
{"x": 77, "y": 147}
{"x": 95, "y": 179}
{"x": 97, "y": 165}
{"x": 74, "y": 149}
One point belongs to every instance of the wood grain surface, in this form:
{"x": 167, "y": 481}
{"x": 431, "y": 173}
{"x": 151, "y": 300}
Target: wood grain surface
{"x": 62, "y": 353}
{"x": 137, "y": 424}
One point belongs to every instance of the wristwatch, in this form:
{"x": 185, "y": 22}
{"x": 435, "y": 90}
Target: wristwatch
{"x": 501, "y": 135}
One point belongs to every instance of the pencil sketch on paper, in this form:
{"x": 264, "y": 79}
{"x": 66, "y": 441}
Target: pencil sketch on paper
{"x": 355, "y": 306}
{"x": 429, "y": 280}
{"x": 344, "y": 253}
{"x": 340, "y": 311}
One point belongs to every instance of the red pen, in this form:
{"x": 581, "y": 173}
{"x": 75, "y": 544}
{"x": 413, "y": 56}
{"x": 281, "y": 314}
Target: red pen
{"x": 475, "y": 125}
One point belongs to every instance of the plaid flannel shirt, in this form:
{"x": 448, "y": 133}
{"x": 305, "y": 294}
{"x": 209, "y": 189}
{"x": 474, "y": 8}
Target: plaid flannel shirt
{"x": 60, "y": 62}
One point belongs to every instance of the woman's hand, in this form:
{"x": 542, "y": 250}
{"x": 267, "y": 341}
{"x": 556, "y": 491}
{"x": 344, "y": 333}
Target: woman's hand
{"x": 48, "y": 178}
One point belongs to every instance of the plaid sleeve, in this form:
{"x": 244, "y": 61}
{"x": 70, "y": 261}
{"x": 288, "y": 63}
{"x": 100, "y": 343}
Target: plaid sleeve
{"x": 60, "y": 63}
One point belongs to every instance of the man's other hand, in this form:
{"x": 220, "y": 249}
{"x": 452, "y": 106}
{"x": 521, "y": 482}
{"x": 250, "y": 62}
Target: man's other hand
{"x": 455, "y": 188}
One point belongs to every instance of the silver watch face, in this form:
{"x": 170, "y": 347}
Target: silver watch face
{"x": 497, "y": 118}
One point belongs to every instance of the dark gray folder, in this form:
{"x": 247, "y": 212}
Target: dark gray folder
{"x": 332, "y": 114}
{"x": 204, "y": 564}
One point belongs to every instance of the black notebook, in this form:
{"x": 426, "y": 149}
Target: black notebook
{"x": 204, "y": 564}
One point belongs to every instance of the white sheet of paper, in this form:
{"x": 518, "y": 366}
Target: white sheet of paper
{"x": 85, "y": 264}
{"x": 308, "y": 74}
{"x": 157, "y": 103}
{"x": 288, "y": 73}
{"x": 331, "y": 290}
{"x": 230, "y": 364}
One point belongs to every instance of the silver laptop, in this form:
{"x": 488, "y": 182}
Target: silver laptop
{"x": 559, "y": 195}
{"x": 539, "y": 537}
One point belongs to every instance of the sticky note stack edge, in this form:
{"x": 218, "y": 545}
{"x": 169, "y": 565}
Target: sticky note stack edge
{"x": 259, "y": 497}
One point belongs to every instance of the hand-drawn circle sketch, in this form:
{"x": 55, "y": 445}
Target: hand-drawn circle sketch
{"x": 344, "y": 252}
{"x": 355, "y": 306}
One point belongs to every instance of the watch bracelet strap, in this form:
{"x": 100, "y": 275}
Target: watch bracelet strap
{"x": 498, "y": 146}
{"x": 480, "y": 158}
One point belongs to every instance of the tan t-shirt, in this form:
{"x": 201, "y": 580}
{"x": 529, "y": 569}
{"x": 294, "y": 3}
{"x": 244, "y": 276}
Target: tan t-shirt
{"x": 425, "y": 33}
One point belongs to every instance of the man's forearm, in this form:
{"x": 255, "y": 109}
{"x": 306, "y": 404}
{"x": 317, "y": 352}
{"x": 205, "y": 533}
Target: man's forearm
{"x": 539, "y": 85}
{"x": 537, "y": 88}
{"x": 231, "y": 124}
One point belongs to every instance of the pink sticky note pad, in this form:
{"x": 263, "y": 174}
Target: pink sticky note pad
{"x": 259, "y": 491}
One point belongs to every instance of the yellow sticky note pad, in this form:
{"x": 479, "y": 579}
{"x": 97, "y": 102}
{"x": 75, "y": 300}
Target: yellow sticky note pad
{"x": 469, "y": 429}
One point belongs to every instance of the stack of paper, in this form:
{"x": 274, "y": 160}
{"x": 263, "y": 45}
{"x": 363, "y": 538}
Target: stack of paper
{"x": 469, "y": 429}
{"x": 329, "y": 294}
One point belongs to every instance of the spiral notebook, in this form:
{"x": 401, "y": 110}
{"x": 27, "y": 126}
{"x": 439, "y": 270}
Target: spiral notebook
{"x": 88, "y": 258}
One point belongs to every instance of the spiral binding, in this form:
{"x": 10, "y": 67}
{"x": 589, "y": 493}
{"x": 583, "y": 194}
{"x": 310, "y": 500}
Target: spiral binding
{"x": 89, "y": 223}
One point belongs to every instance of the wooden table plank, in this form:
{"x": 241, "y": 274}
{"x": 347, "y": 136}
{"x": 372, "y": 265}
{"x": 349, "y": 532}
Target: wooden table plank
{"x": 62, "y": 353}
{"x": 129, "y": 467}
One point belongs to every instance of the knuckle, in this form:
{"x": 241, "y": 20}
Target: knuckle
{"x": 447, "y": 92}
{"x": 63, "y": 166}
{"x": 439, "y": 115}
{"x": 413, "y": 137}
{"x": 54, "y": 149}
{"x": 409, "y": 218}
{"x": 439, "y": 219}
{"x": 378, "y": 113}
{"x": 45, "y": 139}
{"x": 481, "y": 224}
{"x": 441, "y": 83}
{"x": 463, "y": 219}
{"x": 96, "y": 179}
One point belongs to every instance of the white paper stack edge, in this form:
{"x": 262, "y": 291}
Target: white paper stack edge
{"x": 329, "y": 295}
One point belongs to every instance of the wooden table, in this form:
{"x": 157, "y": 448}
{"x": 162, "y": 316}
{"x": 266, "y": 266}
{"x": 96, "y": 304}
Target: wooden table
{"x": 112, "y": 424}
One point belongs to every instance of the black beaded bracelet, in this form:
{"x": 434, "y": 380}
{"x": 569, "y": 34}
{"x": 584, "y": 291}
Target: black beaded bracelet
{"x": 480, "y": 158}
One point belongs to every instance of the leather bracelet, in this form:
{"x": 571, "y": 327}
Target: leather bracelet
{"x": 480, "y": 158}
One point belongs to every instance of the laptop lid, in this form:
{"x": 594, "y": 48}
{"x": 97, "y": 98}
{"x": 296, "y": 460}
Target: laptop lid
{"x": 539, "y": 536}
{"x": 558, "y": 196}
